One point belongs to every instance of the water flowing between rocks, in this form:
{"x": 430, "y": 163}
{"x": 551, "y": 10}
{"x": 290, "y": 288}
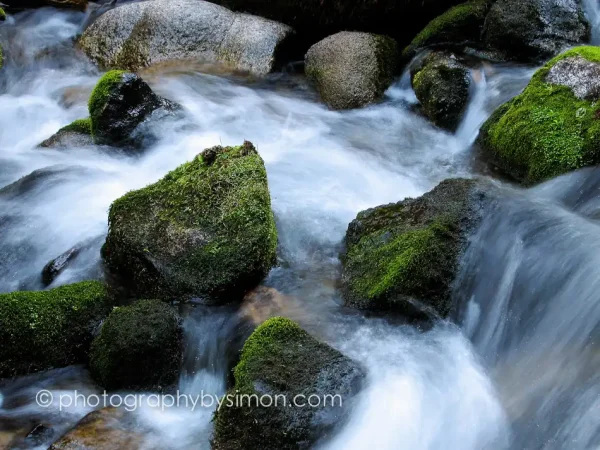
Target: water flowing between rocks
{"x": 521, "y": 365}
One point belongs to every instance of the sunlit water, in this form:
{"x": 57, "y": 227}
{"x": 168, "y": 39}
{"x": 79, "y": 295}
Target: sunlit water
{"x": 519, "y": 370}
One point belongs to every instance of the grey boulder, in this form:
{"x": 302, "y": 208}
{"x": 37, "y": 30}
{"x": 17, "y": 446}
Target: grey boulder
{"x": 352, "y": 69}
{"x": 138, "y": 35}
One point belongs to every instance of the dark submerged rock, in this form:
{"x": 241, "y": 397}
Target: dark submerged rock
{"x": 281, "y": 359}
{"x": 139, "y": 347}
{"x": 40, "y": 330}
{"x": 403, "y": 257}
{"x": 105, "y": 429}
{"x": 442, "y": 84}
{"x": 206, "y": 230}
{"x": 352, "y": 69}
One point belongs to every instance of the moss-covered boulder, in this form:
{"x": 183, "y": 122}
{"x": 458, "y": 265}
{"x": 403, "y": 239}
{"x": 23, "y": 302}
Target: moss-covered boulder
{"x": 352, "y": 69}
{"x": 548, "y": 130}
{"x": 2, "y": 15}
{"x": 206, "y": 230}
{"x": 120, "y": 105}
{"x": 282, "y": 362}
{"x": 76, "y": 134}
{"x": 104, "y": 429}
{"x": 45, "y": 329}
{"x": 461, "y": 24}
{"x": 139, "y": 347}
{"x": 442, "y": 83}
{"x": 403, "y": 257}
{"x": 535, "y": 29}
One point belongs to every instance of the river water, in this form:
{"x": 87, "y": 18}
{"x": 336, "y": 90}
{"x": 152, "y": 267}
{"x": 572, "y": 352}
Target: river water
{"x": 517, "y": 370}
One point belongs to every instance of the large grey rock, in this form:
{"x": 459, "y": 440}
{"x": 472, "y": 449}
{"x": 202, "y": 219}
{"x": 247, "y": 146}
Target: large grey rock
{"x": 535, "y": 29}
{"x": 137, "y": 35}
{"x": 579, "y": 74}
{"x": 352, "y": 69}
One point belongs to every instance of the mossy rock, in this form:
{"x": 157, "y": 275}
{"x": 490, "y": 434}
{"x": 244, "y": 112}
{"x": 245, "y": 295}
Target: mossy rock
{"x": 546, "y": 130}
{"x": 2, "y": 15}
{"x": 461, "y": 24}
{"x": 139, "y": 347}
{"x": 281, "y": 360}
{"x": 120, "y": 103}
{"x": 352, "y": 69}
{"x": 76, "y": 134}
{"x": 206, "y": 230}
{"x": 441, "y": 84}
{"x": 403, "y": 257}
{"x": 46, "y": 329}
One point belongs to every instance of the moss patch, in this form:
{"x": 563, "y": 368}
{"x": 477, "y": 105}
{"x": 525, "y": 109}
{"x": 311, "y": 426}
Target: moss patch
{"x": 405, "y": 252}
{"x": 459, "y": 24}
{"x": 206, "y": 229}
{"x": 545, "y": 131}
{"x": 139, "y": 347}
{"x": 45, "y": 329}
{"x": 101, "y": 92}
{"x": 283, "y": 361}
{"x": 2, "y": 15}
{"x": 83, "y": 126}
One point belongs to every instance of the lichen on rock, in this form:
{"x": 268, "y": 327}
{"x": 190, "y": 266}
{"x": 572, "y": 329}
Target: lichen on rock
{"x": 403, "y": 257}
{"x": 547, "y": 130}
{"x": 206, "y": 230}
{"x": 41, "y": 330}
{"x": 282, "y": 361}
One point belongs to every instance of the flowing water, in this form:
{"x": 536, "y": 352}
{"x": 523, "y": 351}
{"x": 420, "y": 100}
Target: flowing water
{"x": 518, "y": 370}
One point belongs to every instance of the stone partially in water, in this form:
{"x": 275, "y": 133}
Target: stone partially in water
{"x": 403, "y": 257}
{"x": 141, "y": 34}
{"x": 281, "y": 360}
{"x": 441, "y": 84}
{"x": 121, "y": 103}
{"x": 352, "y": 69}
{"x": 76, "y": 134}
{"x": 552, "y": 127}
{"x": 139, "y": 347}
{"x": 40, "y": 330}
{"x": 206, "y": 230}
{"x": 105, "y": 429}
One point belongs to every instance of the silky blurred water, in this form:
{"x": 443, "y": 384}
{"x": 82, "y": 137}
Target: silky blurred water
{"x": 518, "y": 371}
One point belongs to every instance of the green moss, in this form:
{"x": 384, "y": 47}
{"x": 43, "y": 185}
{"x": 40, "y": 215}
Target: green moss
{"x": 283, "y": 361}
{"x": 205, "y": 229}
{"x": 442, "y": 88}
{"x": 268, "y": 340}
{"x": 545, "y": 131}
{"x": 2, "y": 14}
{"x": 460, "y": 23}
{"x": 83, "y": 126}
{"x": 139, "y": 347}
{"x": 101, "y": 92}
{"x": 45, "y": 329}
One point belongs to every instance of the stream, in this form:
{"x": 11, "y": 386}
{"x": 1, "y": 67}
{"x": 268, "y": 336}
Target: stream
{"x": 518, "y": 368}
